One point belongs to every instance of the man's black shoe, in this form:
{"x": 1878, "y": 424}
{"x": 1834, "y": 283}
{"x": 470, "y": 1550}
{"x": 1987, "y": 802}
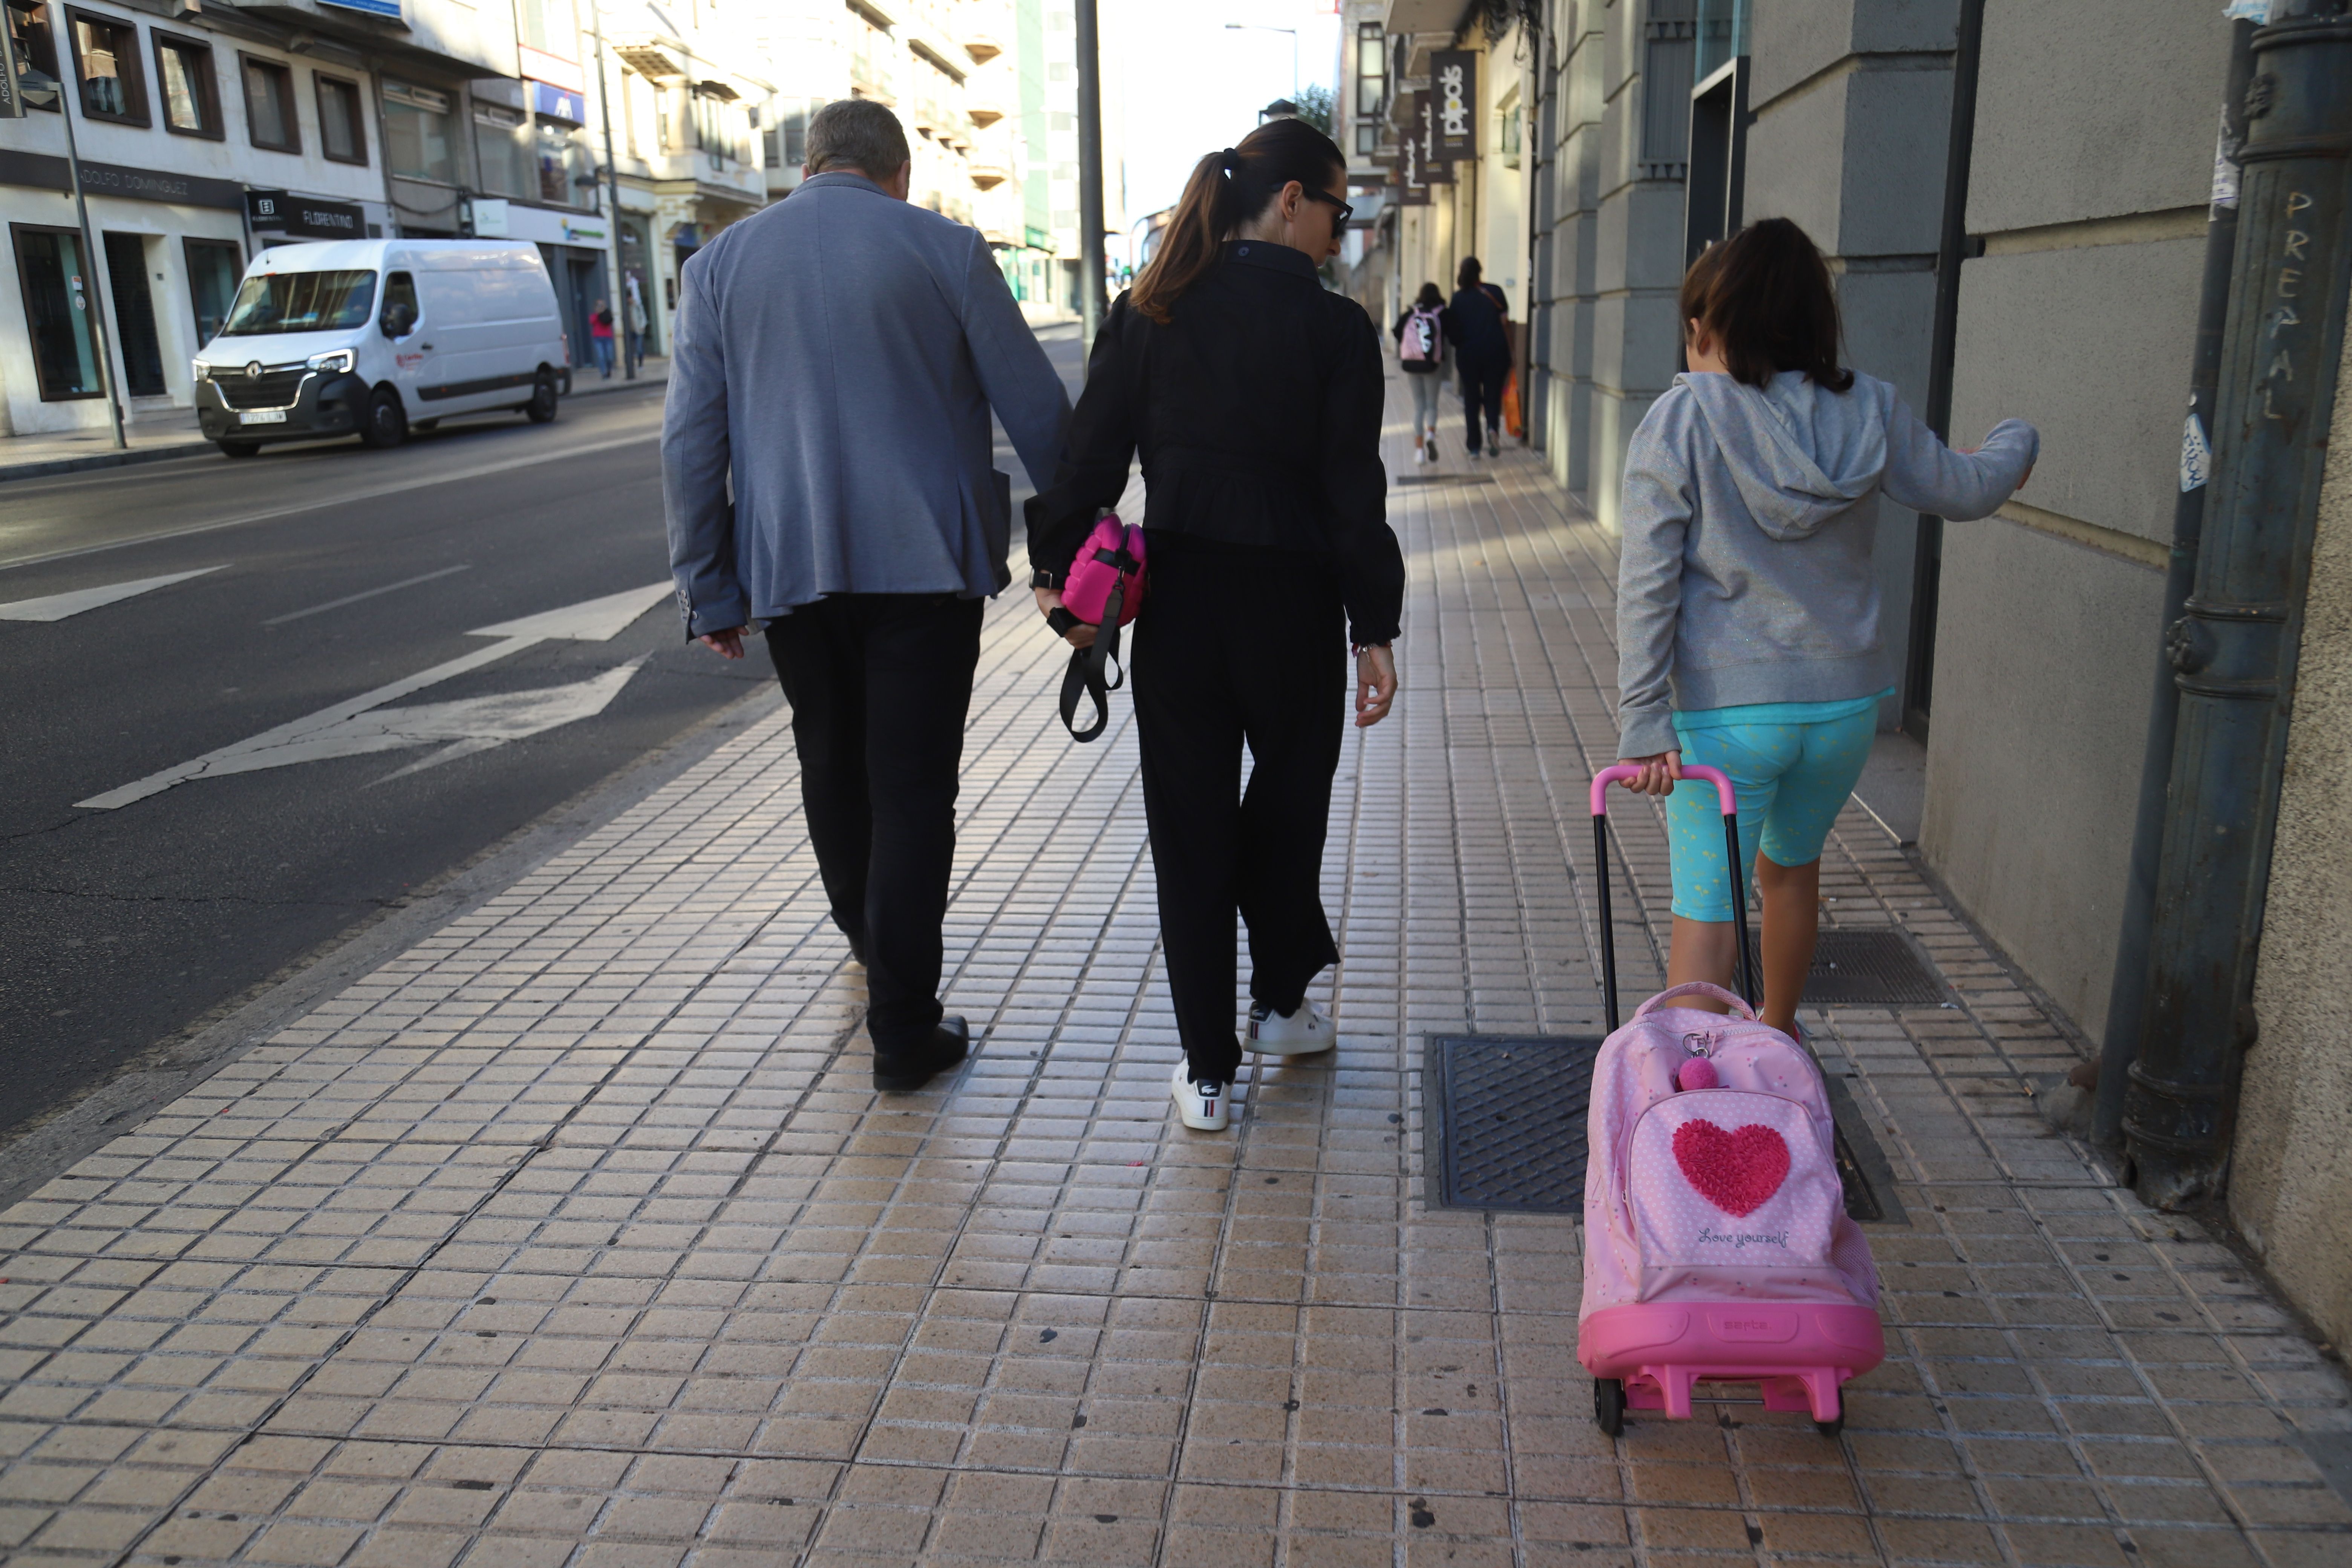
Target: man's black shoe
{"x": 902, "y": 1072}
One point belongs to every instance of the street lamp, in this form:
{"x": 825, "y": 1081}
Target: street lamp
{"x": 1259, "y": 27}
{"x": 42, "y": 93}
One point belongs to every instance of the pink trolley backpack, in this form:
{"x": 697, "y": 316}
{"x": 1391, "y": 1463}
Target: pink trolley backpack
{"x": 1716, "y": 1246}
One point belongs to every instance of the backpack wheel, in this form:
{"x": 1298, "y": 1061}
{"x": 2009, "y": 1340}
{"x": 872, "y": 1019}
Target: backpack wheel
{"x": 1608, "y": 1405}
{"x": 1832, "y": 1427}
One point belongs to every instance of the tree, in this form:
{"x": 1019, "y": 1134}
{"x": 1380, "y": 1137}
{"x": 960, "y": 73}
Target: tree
{"x": 1314, "y": 102}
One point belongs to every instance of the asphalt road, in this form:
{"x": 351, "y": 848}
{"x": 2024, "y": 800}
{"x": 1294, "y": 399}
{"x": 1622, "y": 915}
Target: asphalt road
{"x": 360, "y": 687}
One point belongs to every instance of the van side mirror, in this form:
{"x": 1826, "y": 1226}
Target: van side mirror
{"x": 399, "y": 320}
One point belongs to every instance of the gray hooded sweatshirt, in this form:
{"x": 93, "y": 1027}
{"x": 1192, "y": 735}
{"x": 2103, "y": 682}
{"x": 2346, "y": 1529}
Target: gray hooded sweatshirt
{"x": 1744, "y": 574}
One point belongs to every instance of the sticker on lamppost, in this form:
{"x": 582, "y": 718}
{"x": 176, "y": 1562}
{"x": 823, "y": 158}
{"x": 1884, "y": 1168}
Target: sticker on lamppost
{"x": 1454, "y": 95}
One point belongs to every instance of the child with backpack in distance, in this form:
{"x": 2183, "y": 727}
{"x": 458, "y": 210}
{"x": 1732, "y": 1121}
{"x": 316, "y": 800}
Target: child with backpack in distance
{"x": 1747, "y": 630}
{"x": 1422, "y": 334}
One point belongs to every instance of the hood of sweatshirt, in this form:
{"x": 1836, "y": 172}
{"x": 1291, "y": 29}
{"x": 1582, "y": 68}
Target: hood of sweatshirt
{"x": 1800, "y": 454}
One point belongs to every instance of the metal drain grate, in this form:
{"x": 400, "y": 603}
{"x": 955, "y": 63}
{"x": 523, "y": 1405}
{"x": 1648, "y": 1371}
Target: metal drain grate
{"x": 1875, "y": 968}
{"x": 1506, "y": 1119}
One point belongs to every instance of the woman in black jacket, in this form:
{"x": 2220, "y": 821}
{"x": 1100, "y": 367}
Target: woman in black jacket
{"x": 1254, "y": 397}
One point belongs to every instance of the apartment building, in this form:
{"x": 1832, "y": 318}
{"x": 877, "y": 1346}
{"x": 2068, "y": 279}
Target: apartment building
{"x": 208, "y": 134}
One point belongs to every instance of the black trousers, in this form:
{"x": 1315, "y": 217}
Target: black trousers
{"x": 1482, "y": 384}
{"x": 880, "y": 684}
{"x": 1238, "y": 646}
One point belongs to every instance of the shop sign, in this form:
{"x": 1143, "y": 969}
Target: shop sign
{"x": 491, "y": 218}
{"x": 298, "y": 218}
{"x": 559, "y": 103}
{"x": 1434, "y": 169}
{"x": 373, "y": 8}
{"x": 1453, "y": 105}
{"x": 12, "y": 101}
{"x": 45, "y": 173}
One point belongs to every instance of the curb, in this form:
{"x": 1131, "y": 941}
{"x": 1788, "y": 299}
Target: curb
{"x": 50, "y": 467}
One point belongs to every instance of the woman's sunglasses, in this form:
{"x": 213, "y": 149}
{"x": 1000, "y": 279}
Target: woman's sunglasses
{"x": 1346, "y": 212}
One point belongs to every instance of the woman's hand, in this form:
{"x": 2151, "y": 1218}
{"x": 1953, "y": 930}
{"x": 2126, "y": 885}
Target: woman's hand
{"x": 1376, "y": 685}
{"x": 728, "y": 644}
{"x": 1659, "y": 774}
{"x": 1048, "y": 601}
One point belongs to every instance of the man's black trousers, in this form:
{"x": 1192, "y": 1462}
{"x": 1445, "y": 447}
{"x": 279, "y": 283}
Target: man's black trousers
{"x": 1238, "y": 646}
{"x": 1482, "y": 384}
{"x": 879, "y": 685}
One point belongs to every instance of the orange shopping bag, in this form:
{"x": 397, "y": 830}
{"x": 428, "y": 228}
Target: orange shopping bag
{"x": 1511, "y": 420}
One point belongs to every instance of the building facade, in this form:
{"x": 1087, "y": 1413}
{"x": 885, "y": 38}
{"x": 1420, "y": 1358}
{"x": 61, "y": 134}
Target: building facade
{"x": 2021, "y": 647}
{"x": 207, "y": 135}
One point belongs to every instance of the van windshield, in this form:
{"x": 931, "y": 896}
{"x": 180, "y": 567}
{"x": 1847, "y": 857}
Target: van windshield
{"x": 301, "y": 302}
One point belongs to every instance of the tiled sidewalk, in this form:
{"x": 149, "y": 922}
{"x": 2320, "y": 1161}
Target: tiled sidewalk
{"x": 576, "y": 1237}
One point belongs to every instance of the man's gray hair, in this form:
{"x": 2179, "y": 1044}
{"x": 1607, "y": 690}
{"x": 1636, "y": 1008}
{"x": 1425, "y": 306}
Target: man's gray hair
{"x": 859, "y": 133}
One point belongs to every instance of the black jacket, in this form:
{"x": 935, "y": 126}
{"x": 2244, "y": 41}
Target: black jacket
{"x": 1478, "y": 312}
{"x": 1257, "y": 413}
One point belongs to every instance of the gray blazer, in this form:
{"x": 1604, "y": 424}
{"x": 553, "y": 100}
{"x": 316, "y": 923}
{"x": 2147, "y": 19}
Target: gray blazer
{"x": 836, "y": 356}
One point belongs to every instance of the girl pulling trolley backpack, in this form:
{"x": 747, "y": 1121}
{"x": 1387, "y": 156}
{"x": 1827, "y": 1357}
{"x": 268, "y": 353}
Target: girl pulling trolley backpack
{"x": 1716, "y": 1246}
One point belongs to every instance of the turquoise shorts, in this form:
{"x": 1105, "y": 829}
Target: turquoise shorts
{"x": 1793, "y": 765}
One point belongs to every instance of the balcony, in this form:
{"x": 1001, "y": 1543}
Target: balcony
{"x": 984, "y": 113}
{"x": 988, "y": 176}
{"x": 982, "y": 47}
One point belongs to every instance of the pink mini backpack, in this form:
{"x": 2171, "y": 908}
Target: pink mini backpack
{"x": 1104, "y": 589}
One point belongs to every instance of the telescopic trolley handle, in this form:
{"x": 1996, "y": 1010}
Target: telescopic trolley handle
{"x": 1729, "y": 799}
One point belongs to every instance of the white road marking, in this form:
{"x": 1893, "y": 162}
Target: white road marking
{"x": 592, "y": 620}
{"x": 369, "y": 593}
{"x": 58, "y": 606}
{"x": 478, "y": 471}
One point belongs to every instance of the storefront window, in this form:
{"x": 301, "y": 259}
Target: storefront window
{"x": 56, "y": 311}
{"x": 420, "y": 135}
{"x": 214, "y": 267}
{"x": 502, "y": 138}
{"x": 29, "y": 27}
{"x": 563, "y": 158}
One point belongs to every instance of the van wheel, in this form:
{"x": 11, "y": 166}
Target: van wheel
{"x": 386, "y": 423}
{"x": 542, "y": 405}
{"x": 239, "y": 448}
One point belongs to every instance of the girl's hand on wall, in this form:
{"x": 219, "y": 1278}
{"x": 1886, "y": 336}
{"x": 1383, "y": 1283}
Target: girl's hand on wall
{"x": 1659, "y": 774}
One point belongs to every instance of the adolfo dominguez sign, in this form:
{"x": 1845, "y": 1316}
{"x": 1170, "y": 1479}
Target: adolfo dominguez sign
{"x": 44, "y": 172}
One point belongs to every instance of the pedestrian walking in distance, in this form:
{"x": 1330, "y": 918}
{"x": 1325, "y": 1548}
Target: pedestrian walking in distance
{"x": 1482, "y": 324}
{"x": 1253, "y": 397}
{"x": 600, "y": 333}
{"x": 1746, "y": 604}
{"x": 1425, "y": 335}
{"x": 825, "y": 470}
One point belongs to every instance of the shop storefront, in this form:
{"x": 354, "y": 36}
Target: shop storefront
{"x": 170, "y": 248}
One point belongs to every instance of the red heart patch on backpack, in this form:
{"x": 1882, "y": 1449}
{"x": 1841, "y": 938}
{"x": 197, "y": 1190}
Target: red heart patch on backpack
{"x": 1736, "y": 1172}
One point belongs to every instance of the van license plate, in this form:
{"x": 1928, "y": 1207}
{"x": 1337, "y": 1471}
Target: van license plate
{"x": 262, "y": 416}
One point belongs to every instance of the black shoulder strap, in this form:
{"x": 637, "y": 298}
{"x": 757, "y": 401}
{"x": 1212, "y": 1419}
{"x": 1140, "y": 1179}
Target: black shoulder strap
{"x": 1094, "y": 672}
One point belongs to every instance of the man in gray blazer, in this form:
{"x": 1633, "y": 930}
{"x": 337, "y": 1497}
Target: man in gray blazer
{"x": 826, "y": 468}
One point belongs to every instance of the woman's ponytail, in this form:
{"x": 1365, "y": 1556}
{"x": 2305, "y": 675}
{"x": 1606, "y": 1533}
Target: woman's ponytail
{"x": 1226, "y": 189}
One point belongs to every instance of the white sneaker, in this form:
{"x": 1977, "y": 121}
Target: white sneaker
{"x": 1203, "y": 1107}
{"x": 1301, "y": 1034}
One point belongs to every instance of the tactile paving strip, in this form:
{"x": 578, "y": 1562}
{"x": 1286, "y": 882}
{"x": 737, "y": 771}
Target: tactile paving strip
{"x": 1506, "y": 1119}
{"x": 1869, "y": 968}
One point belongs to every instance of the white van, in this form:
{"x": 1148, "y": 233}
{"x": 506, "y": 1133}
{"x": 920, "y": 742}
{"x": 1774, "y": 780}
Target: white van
{"x": 368, "y": 337}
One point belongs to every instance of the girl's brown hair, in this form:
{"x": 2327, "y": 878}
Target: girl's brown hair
{"x": 1763, "y": 296}
{"x": 1228, "y": 189}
